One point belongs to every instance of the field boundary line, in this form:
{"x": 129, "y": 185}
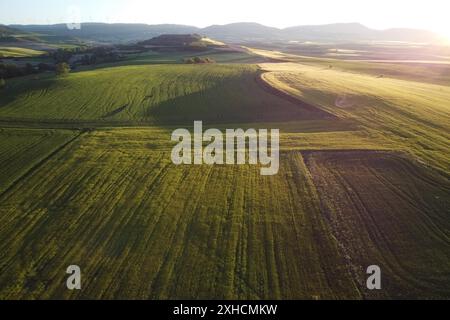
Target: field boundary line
{"x": 268, "y": 87}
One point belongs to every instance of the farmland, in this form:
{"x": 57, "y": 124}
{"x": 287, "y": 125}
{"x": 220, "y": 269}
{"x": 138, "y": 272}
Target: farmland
{"x": 13, "y": 52}
{"x": 86, "y": 179}
{"x": 380, "y": 205}
{"x": 381, "y": 105}
{"x": 21, "y": 149}
{"x": 158, "y": 94}
{"x": 144, "y": 228}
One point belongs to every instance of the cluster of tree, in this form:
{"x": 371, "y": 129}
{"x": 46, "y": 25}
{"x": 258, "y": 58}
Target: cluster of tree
{"x": 65, "y": 54}
{"x": 88, "y": 59}
{"x": 42, "y": 67}
{"x": 61, "y": 63}
{"x": 62, "y": 55}
{"x": 62, "y": 69}
{"x": 11, "y": 70}
{"x": 2, "y": 83}
{"x": 87, "y": 56}
{"x": 198, "y": 60}
{"x": 100, "y": 55}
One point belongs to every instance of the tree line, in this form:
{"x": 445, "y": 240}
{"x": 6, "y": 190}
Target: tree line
{"x": 61, "y": 63}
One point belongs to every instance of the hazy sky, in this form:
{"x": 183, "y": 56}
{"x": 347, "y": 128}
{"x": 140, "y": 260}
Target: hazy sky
{"x": 380, "y": 14}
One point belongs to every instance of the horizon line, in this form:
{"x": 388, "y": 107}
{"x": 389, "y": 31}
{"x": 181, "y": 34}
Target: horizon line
{"x": 226, "y": 24}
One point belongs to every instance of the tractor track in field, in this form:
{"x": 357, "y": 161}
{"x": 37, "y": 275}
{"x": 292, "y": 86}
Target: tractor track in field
{"x": 40, "y": 163}
{"x": 345, "y": 205}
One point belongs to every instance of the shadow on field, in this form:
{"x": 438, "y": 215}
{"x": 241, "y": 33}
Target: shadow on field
{"x": 24, "y": 86}
{"x": 234, "y": 102}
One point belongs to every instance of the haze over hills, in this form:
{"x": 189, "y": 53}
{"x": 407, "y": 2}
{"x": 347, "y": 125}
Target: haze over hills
{"x": 6, "y": 31}
{"x": 235, "y": 32}
{"x": 104, "y": 32}
{"x": 243, "y": 31}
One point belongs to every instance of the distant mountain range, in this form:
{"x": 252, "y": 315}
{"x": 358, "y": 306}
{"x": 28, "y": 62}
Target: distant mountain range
{"x": 235, "y": 32}
{"x": 6, "y": 31}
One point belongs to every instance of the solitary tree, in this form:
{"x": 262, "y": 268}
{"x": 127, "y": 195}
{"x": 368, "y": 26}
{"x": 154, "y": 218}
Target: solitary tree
{"x": 2, "y": 83}
{"x": 62, "y": 69}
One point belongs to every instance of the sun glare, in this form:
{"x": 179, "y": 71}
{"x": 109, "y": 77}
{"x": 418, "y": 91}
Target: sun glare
{"x": 443, "y": 29}
{"x": 446, "y": 35}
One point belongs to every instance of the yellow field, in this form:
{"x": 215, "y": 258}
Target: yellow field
{"x": 413, "y": 115}
{"x": 13, "y": 52}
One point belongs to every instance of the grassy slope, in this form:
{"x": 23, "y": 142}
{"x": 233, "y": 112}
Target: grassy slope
{"x": 220, "y": 56}
{"x": 161, "y": 94}
{"x": 413, "y": 115}
{"x": 383, "y": 208}
{"x": 21, "y": 149}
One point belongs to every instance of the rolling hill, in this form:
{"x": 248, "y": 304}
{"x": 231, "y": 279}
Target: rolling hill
{"x": 242, "y": 32}
{"x": 110, "y": 33}
{"x": 86, "y": 178}
{"x": 160, "y": 94}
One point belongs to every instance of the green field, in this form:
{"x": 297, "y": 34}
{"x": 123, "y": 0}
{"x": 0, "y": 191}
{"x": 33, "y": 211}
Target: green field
{"x": 220, "y": 56}
{"x": 21, "y": 149}
{"x": 144, "y": 228}
{"x": 13, "y": 52}
{"x": 86, "y": 179}
{"x": 160, "y": 94}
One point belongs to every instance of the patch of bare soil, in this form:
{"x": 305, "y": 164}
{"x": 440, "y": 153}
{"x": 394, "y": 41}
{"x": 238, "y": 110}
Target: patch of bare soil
{"x": 387, "y": 210}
